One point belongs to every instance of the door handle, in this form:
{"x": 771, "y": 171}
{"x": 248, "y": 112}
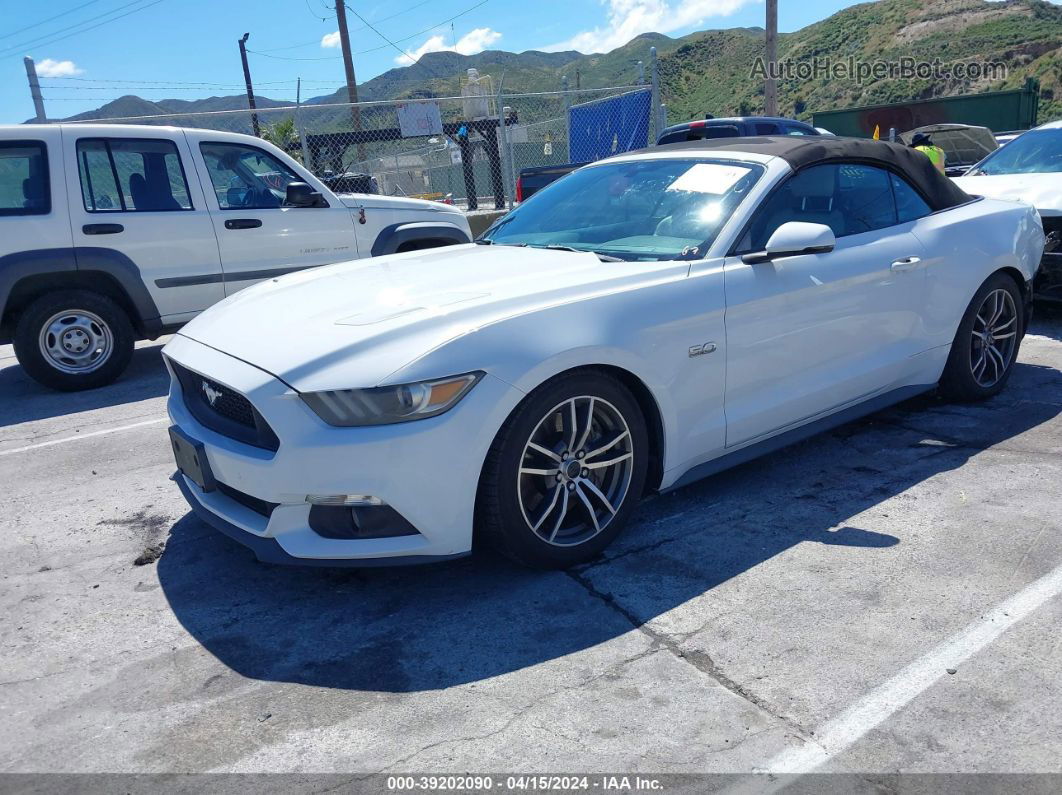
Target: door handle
{"x": 905, "y": 264}
{"x": 243, "y": 223}
{"x": 102, "y": 229}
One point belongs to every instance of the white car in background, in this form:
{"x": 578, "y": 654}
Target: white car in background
{"x": 1029, "y": 169}
{"x": 642, "y": 322}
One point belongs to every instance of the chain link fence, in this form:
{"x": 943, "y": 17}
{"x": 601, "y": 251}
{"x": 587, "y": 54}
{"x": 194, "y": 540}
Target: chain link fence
{"x": 464, "y": 150}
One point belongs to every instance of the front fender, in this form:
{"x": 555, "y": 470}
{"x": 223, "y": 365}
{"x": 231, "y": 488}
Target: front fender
{"x": 392, "y": 238}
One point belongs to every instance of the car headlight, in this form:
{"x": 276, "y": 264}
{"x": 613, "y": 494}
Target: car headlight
{"x": 384, "y": 405}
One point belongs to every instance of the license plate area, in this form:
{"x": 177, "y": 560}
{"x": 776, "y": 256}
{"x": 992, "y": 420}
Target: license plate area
{"x": 191, "y": 459}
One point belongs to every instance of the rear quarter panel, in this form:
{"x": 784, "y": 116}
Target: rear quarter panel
{"x": 967, "y": 244}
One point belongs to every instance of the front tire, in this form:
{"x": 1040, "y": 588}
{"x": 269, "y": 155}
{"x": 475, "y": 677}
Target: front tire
{"x": 73, "y": 339}
{"x": 987, "y": 341}
{"x": 565, "y": 472}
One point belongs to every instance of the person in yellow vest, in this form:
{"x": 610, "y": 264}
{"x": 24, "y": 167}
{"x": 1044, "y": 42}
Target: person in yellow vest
{"x": 923, "y": 144}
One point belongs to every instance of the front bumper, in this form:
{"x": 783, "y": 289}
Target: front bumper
{"x": 426, "y": 470}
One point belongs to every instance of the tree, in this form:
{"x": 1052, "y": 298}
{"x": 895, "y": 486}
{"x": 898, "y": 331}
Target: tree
{"x": 282, "y": 134}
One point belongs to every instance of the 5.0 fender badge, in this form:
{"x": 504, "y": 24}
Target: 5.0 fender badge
{"x": 700, "y": 350}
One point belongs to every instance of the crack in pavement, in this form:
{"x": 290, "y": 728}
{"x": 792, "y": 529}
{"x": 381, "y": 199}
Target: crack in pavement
{"x": 699, "y": 660}
{"x": 521, "y": 711}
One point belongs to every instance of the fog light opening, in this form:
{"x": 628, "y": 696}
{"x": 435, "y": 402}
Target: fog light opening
{"x": 345, "y": 500}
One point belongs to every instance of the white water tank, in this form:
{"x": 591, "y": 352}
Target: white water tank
{"x": 476, "y": 95}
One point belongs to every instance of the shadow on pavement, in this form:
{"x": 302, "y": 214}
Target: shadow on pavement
{"x": 25, "y": 400}
{"x": 1047, "y": 320}
{"x": 412, "y": 629}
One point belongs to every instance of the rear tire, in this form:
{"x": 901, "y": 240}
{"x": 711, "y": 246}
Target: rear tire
{"x": 986, "y": 343}
{"x": 73, "y": 339}
{"x": 558, "y": 487}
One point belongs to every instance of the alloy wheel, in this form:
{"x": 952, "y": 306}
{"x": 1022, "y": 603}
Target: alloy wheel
{"x": 76, "y": 341}
{"x": 575, "y": 471}
{"x": 995, "y": 337}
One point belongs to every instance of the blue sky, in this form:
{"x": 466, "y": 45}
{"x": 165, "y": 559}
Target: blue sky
{"x": 161, "y": 49}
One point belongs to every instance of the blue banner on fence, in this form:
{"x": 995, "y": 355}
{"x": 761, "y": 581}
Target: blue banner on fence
{"x": 609, "y": 126}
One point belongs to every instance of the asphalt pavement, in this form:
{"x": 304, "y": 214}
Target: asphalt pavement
{"x": 881, "y": 598}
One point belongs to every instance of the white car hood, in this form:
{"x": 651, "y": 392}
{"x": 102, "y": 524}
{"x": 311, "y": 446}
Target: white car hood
{"x": 1042, "y": 191}
{"x": 355, "y": 323}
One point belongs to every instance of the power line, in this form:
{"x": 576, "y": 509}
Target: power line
{"x": 363, "y": 27}
{"x": 390, "y": 42}
{"x": 378, "y": 33}
{"x": 154, "y": 82}
{"x": 39, "y": 43}
{"x": 418, "y": 33}
{"x": 49, "y": 19}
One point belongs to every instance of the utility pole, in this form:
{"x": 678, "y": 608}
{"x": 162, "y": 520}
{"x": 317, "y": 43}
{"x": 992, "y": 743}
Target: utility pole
{"x": 770, "y": 87}
{"x": 35, "y": 90}
{"x": 250, "y": 89}
{"x": 348, "y": 66}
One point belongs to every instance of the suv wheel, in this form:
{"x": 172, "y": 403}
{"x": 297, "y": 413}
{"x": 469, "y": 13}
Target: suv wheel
{"x": 565, "y": 472}
{"x": 73, "y": 339}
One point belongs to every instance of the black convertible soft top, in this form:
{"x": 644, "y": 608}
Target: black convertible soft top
{"x": 800, "y": 151}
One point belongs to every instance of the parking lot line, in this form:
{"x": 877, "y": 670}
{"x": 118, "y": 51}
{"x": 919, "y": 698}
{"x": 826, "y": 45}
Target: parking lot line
{"x": 83, "y": 436}
{"x": 839, "y": 734}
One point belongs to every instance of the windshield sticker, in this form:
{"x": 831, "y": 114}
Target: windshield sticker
{"x": 713, "y": 178}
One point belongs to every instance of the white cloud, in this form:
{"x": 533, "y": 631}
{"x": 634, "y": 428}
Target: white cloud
{"x": 49, "y": 67}
{"x": 330, "y": 40}
{"x": 628, "y": 18}
{"x": 472, "y": 42}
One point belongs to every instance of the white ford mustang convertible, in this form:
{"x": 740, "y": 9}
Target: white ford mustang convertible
{"x": 643, "y": 322}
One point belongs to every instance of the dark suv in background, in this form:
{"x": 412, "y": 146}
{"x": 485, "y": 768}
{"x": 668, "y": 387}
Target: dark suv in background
{"x": 532, "y": 180}
{"x": 733, "y": 128}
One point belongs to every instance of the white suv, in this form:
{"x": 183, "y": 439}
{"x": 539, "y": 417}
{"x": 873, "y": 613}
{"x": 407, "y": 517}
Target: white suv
{"x": 113, "y": 233}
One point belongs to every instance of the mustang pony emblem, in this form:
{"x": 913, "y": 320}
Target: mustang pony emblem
{"x": 212, "y": 394}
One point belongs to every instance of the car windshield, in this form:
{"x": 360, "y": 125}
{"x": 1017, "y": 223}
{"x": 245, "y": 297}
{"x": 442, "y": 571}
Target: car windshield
{"x": 650, "y": 209}
{"x": 1034, "y": 152}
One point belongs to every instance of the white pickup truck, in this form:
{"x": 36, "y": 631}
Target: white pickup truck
{"x": 113, "y": 233}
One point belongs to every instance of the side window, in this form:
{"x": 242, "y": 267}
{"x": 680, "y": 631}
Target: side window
{"x": 24, "y": 186}
{"x": 849, "y": 198}
{"x": 798, "y": 129}
{"x": 864, "y": 196}
{"x": 245, "y": 177}
{"x": 909, "y": 204}
{"x": 767, "y": 128}
{"x": 131, "y": 175}
{"x": 718, "y": 131}
{"x": 810, "y": 195}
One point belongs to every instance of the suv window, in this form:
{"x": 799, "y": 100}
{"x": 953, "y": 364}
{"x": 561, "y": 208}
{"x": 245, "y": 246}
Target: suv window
{"x": 24, "y": 178}
{"x": 246, "y": 177}
{"x": 799, "y": 129}
{"x": 849, "y": 198}
{"x": 766, "y": 128}
{"x": 131, "y": 175}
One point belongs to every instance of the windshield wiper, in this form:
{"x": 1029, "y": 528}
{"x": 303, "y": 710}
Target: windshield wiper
{"x": 600, "y": 256}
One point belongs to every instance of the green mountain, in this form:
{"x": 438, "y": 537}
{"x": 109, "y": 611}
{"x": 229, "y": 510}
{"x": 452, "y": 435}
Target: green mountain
{"x": 711, "y": 71}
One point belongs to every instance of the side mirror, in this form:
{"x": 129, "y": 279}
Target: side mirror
{"x": 793, "y": 238}
{"x": 299, "y": 194}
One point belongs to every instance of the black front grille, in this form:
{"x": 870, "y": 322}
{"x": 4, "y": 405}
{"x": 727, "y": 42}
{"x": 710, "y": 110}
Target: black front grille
{"x": 224, "y": 410}
{"x": 228, "y": 403}
{"x": 1052, "y": 223}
